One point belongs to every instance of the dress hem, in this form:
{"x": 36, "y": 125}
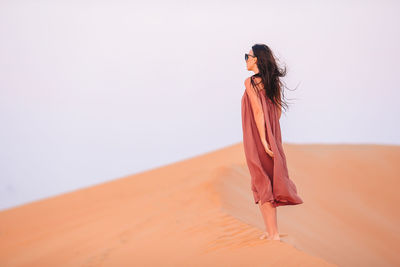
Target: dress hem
{"x": 277, "y": 203}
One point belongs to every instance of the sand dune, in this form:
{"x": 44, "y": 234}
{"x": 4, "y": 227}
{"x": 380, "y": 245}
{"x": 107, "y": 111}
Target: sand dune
{"x": 200, "y": 212}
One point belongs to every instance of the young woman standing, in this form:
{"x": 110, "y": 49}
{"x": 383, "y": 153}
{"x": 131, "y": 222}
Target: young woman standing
{"x": 262, "y": 104}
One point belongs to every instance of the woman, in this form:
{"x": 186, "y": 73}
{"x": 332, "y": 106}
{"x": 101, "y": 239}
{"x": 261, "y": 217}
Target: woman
{"x": 261, "y": 109}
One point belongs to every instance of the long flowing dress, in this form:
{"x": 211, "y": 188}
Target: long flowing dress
{"x": 269, "y": 175}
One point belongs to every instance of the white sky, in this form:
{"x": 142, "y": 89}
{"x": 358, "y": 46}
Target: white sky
{"x": 92, "y": 91}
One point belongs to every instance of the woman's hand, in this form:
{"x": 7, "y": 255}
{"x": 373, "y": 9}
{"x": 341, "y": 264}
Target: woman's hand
{"x": 267, "y": 149}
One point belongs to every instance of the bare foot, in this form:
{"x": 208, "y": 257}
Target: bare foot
{"x": 274, "y": 237}
{"x": 264, "y": 235}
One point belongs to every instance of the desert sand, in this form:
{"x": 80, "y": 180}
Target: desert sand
{"x": 200, "y": 212}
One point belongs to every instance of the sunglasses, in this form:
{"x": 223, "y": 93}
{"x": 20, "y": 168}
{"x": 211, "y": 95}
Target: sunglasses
{"x": 246, "y": 56}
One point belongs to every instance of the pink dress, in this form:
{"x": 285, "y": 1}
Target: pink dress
{"x": 269, "y": 175}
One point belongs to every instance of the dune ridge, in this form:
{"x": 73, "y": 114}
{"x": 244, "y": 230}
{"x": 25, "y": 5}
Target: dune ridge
{"x": 200, "y": 212}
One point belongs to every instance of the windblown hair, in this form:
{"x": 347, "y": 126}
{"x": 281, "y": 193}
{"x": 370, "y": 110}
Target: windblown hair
{"x": 270, "y": 74}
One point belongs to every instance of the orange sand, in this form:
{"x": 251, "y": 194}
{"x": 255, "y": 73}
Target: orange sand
{"x": 200, "y": 212}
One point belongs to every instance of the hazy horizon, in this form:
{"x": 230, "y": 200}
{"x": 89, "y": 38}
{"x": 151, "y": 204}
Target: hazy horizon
{"x": 91, "y": 92}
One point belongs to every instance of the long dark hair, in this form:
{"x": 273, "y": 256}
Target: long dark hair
{"x": 270, "y": 74}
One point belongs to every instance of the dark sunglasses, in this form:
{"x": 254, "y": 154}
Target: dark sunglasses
{"x": 246, "y": 56}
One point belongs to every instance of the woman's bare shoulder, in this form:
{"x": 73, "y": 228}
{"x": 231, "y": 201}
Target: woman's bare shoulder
{"x": 257, "y": 80}
{"x": 247, "y": 81}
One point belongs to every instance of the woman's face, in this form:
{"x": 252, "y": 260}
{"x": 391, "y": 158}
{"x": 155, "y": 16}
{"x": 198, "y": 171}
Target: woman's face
{"x": 251, "y": 61}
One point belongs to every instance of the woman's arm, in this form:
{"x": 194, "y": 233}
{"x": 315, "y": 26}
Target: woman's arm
{"x": 256, "y": 106}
